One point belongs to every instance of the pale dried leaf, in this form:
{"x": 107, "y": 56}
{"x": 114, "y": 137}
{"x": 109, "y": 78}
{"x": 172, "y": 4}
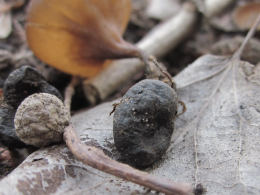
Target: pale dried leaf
{"x": 216, "y": 142}
{"x": 220, "y": 131}
{"x": 228, "y": 46}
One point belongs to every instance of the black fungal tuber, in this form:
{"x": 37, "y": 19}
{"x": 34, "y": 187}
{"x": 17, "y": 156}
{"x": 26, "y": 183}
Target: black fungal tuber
{"x": 23, "y": 82}
{"x": 8, "y": 136}
{"x": 144, "y": 122}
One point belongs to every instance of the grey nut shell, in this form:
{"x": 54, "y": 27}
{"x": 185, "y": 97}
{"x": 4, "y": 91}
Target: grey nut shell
{"x": 40, "y": 120}
{"x": 144, "y": 122}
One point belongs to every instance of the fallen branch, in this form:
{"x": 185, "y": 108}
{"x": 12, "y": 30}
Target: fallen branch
{"x": 157, "y": 43}
{"x": 211, "y": 8}
{"x": 214, "y": 7}
{"x": 97, "y": 159}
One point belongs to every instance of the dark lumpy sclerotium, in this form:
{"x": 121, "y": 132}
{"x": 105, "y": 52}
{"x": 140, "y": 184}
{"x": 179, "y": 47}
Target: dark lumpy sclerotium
{"x": 8, "y": 136}
{"x": 23, "y": 82}
{"x": 144, "y": 122}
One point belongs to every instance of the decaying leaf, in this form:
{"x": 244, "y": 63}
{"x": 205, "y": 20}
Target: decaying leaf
{"x": 227, "y": 46}
{"x": 215, "y": 142}
{"x": 244, "y": 16}
{"x": 77, "y": 36}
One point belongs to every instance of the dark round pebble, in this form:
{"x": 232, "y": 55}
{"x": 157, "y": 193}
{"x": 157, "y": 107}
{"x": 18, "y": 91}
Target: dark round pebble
{"x": 144, "y": 122}
{"x": 23, "y": 82}
{"x": 8, "y": 136}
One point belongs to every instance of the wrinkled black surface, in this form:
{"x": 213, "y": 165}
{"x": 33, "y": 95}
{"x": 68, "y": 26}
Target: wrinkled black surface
{"x": 7, "y": 130}
{"x": 144, "y": 122}
{"x": 1, "y": 82}
{"x": 23, "y": 82}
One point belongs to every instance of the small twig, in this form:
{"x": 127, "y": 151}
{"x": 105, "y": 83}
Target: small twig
{"x": 211, "y": 8}
{"x": 149, "y": 71}
{"x": 184, "y": 108}
{"x": 69, "y": 92}
{"x": 214, "y": 7}
{"x": 96, "y": 158}
{"x": 114, "y": 107}
{"x": 165, "y": 73}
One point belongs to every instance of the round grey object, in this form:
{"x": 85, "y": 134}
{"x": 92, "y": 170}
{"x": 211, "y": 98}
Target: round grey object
{"x": 40, "y": 120}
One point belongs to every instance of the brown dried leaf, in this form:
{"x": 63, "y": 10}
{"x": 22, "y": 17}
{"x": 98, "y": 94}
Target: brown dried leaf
{"x": 78, "y": 36}
{"x": 244, "y": 16}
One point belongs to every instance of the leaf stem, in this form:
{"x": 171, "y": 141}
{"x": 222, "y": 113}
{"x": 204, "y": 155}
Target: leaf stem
{"x": 249, "y": 35}
{"x": 96, "y": 158}
{"x": 69, "y": 92}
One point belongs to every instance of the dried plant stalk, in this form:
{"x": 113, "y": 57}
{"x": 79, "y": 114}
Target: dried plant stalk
{"x": 95, "y": 158}
{"x": 69, "y": 92}
{"x": 213, "y": 7}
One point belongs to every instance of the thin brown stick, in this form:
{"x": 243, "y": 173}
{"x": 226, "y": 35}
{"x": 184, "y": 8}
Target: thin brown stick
{"x": 95, "y": 158}
{"x": 184, "y": 108}
{"x": 69, "y": 92}
{"x": 165, "y": 73}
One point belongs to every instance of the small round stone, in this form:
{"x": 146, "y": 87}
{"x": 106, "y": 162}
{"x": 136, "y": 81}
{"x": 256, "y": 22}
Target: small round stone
{"x": 144, "y": 122}
{"x": 40, "y": 120}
